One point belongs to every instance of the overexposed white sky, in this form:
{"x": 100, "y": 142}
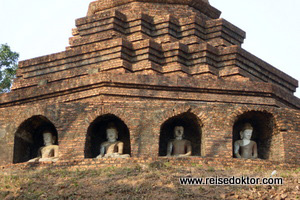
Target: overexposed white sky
{"x": 35, "y": 28}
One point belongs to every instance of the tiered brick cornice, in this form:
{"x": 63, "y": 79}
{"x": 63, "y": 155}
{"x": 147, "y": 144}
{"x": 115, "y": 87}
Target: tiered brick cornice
{"x": 149, "y": 86}
{"x": 166, "y": 28}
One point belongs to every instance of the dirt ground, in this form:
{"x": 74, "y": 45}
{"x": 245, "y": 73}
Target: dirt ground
{"x": 156, "y": 180}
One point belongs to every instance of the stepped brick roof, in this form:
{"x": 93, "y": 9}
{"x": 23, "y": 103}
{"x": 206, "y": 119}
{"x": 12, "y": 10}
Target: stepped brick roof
{"x": 160, "y": 39}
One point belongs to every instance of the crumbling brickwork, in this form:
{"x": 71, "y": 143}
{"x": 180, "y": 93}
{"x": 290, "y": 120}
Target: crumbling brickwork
{"x": 148, "y": 65}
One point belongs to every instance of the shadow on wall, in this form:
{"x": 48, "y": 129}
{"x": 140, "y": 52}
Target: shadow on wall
{"x": 263, "y": 125}
{"x": 96, "y": 135}
{"x": 192, "y": 132}
{"x": 29, "y": 138}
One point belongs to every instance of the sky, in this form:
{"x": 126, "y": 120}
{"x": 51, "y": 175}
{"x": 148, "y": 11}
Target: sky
{"x": 35, "y": 28}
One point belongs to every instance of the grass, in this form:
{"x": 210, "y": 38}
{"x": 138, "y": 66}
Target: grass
{"x": 157, "y": 180}
{"x": 211, "y": 169}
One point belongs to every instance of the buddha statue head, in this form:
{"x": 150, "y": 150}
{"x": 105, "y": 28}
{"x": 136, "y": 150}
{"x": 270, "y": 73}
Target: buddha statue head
{"x": 178, "y": 132}
{"x": 48, "y": 138}
{"x": 246, "y": 132}
{"x": 111, "y": 133}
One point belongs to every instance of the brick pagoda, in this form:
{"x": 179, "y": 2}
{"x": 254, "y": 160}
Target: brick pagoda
{"x": 146, "y": 66}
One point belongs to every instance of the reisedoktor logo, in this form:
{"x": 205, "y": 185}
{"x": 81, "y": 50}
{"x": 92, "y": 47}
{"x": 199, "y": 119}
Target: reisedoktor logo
{"x": 243, "y": 180}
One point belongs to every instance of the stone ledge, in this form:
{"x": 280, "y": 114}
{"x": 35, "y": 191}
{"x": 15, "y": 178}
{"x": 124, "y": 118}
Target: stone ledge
{"x": 151, "y": 83}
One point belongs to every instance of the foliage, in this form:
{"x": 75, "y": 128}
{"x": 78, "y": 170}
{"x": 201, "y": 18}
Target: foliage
{"x": 8, "y": 67}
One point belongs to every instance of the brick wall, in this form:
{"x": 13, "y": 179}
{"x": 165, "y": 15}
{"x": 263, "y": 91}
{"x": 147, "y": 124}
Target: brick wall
{"x": 144, "y": 120}
{"x": 148, "y": 65}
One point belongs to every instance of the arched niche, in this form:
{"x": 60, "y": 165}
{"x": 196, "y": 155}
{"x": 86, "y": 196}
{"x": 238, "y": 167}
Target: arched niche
{"x": 29, "y": 138}
{"x": 192, "y": 132}
{"x": 263, "y": 127}
{"x": 96, "y": 134}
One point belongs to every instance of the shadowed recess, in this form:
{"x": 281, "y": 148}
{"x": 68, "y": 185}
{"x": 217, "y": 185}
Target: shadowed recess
{"x": 263, "y": 125}
{"x": 29, "y": 138}
{"x": 96, "y": 135}
{"x": 192, "y": 132}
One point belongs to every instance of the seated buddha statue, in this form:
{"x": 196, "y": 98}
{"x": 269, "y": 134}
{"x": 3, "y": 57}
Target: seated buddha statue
{"x": 49, "y": 152}
{"x": 112, "y": 148}
{"x": 245, "y": 148}
{"x": 179, "y": 146}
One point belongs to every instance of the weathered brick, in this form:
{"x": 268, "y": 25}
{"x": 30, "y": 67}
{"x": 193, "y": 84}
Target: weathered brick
{"x": 143, "y": 63}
